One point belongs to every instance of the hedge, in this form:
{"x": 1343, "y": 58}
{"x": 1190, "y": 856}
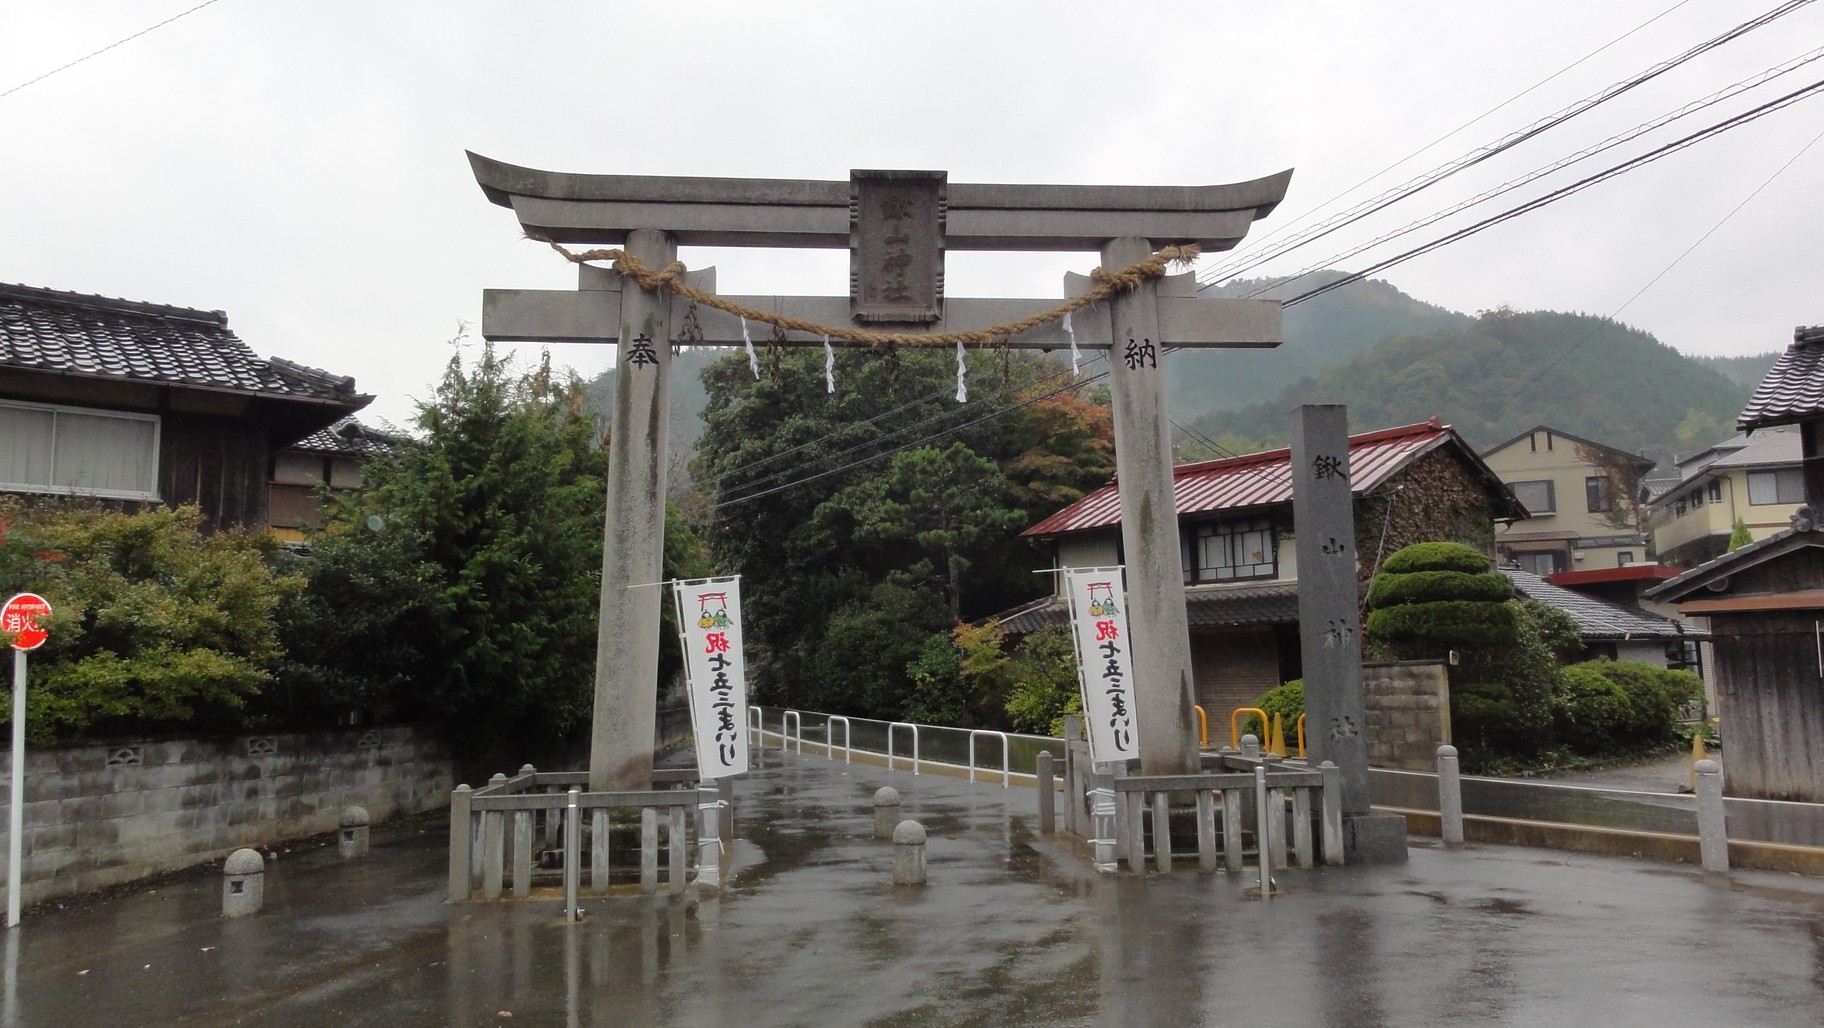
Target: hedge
{"x": 1436, "y": 557}
{"x": 1393, "y": 589}
{"x": 1445, "y": 624}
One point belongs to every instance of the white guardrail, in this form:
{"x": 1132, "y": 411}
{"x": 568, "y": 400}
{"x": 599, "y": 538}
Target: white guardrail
{"x": 789, "y": 729}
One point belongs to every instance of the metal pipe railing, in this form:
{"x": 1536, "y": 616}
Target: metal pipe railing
{"x": 1006, "y": 763}
{"x": 891, "y": 725}
{"x": 756, "y": 727}
{"x": 829, "y": 737}
{"x": 1203, "y": 727}
{"x": 1235, "y": 725}
{"x": 787, "y": 721}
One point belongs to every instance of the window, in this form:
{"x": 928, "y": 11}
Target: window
{"x": 1784, "y": 486}
{"x": 1599, "y": 492}
{"x": 1541, "y": 564}
{"x": 1678, "y": 507}
{"x": 1228, "y": 550}
{"x": 48, "y": 449}
{"x": 1624, "y": 558}
{"x": 1696, "y": 498}
{"x": 1537, "y": 497}
{"x": 1716, "y": 491}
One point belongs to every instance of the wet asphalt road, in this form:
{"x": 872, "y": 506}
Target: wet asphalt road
{"x": 1011, "y": 930}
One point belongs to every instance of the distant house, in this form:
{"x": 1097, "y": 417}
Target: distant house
{"x": 1613, "y": 630}
{"x": 329, "y": 458}
{"x": 1764, "y": 603}
{"x": 141, "y": 404}
{"x": 1240, "y": 558}
{"x": 1582, "y": 498}
{"x": 1757, "y": 479}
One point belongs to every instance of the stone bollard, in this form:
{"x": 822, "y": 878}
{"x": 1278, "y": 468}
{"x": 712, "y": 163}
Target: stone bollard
{"x": 1250, "y": 747}
{"x": 909, "y": 853}
{"x": 1450, "y": 798}
{"x": 243, "y": 883}
{"x": 886, "y": 811}
{"x": 1712, "y": 830}
{"x": 351, "y": 841}
{"x": 1048, "y": 804}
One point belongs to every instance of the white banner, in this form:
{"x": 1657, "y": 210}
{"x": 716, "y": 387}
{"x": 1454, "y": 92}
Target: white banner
{"x": 1100, "y": 625}
{"x": 709, "y": 624}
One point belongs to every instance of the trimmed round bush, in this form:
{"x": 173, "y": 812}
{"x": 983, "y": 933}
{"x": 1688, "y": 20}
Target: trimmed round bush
{"x": 1436, "y": 557}
{"x": 1390, "y": 590}
{"x": 1591, "y": 714}
{"x": 1445, "y": 624}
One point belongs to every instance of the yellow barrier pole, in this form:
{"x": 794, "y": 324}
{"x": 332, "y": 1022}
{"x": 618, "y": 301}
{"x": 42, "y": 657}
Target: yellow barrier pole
{"x": 1203, "y": 727}
{"x": 1235, "y": 724}
{"x": 1301, "y": 736}
{"x": 1277, "y": 737}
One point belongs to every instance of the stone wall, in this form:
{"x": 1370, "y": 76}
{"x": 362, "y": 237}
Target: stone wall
{"x": 1408, "y": 709}
{"x": 97, "y": 815}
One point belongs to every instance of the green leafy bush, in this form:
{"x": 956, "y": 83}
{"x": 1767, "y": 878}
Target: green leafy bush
{"x": 1592, "y": 713}
{"x": 1653, "y": 696}
{"x": 1288, "y": 701}
{"x": 1435, "y": 557}
{"x": 1431, "y": 629}
{"x": 1391, "y": 590}
{"x": 156, "y": 625}
{"x": 1045, "y": 687}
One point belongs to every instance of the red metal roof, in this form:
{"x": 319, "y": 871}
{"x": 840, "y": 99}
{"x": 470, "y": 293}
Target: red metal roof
{"x": 1261, "y": 479}
{"x": 1625, "y": 573}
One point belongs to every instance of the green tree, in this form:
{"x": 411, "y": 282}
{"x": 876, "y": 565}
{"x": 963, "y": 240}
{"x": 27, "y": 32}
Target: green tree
{"x": 1045, "y": 686}
{"x": 157, "y": 623}
{"x": 1741, "y": 536}
{"x": 491, "y": 523}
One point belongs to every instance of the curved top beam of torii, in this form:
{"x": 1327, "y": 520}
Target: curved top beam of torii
{"x": 602, "y": 209}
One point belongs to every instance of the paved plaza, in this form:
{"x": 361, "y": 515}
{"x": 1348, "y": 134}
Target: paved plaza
{"x": 1012, "y": 929}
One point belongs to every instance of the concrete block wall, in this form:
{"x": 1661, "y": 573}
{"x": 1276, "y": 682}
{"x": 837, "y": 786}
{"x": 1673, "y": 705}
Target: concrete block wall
{"x": 1407, "y": 704}
{"x": 98, "y": 815}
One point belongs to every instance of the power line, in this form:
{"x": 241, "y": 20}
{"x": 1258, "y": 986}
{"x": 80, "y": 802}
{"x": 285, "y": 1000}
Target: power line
{"x": 1555, "y": 361}
{"x": 1239, "y": 264}
{"x": 1215, "y": 274}
{"x": 1554, "y": 196}
{"x": 105, "y": 49}
{"x": 1636, "y": 132}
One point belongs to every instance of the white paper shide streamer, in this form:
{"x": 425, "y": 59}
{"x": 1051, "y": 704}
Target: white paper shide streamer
{"x": 829, "y": 366}
{"x": 1075, "y": 358}
{"x": 709, "y": 626}
{"x": 753, "y": 359}
{"x": 962, "y": 388}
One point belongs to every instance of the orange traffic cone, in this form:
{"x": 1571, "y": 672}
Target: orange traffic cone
{"x": 1277, "y": 739}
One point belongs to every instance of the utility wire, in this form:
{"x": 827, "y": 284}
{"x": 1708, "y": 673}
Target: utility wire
{"x": 1555, "y": 361}
{"x": 1554, "y": 196}
{"x": 105, "y": 49}
{"x": 1237, "y": 265}
{"x": 1213, "y": 275}
{"x": 1582, "y": 155}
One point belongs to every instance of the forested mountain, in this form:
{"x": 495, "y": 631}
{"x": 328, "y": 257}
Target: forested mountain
{"x": 1744, "y": 371}
{"x": 1504, "y": 371}
{"x": 1320, "y": 333}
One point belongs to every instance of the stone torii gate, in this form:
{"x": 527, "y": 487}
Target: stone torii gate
{"x": 897, "y": 226}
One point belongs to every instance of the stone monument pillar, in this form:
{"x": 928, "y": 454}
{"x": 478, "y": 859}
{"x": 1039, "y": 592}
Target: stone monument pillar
{"x": 1329, "y": 626}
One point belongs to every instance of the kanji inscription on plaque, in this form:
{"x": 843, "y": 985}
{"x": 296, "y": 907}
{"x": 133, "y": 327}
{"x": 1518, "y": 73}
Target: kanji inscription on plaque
{"x": 896, "y": 245}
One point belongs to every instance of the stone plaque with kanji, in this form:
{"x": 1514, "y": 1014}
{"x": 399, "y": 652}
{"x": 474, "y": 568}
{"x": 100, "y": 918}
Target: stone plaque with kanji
{"x": 896, "y": 245}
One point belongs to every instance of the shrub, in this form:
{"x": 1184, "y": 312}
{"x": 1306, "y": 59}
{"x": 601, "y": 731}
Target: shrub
{"x": 1653, "y": 694}
{"x": 1045, "y": 688}
{"x": 1591, "y": 714}
{"x": 1391, "y": 590}
{"x": 1435, "y": 557}
{"x": 1430, "y": 629}
{"x": 1287, "y": 700}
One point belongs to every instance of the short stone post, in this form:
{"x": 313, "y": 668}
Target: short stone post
{"x": 351, "y": 840}
{"x": 886, "y": 811}
{"x": 462, "y": 843}
{"x": 909, "y": 853}
{"x": 1250, "y": 747}
{"x": 1712, "y": 830}
{"x": 1048, "y": 806}
{"x": 243, "y": 883}
{"x": 1450, "y": 798}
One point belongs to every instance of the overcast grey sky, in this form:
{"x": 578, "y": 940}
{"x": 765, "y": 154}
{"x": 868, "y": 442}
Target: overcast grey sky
{"x": 300, "y": 164}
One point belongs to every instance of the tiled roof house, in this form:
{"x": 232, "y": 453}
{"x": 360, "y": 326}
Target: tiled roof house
{"x": 1240, "y": 562}
{"x": 142, "y": 403}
